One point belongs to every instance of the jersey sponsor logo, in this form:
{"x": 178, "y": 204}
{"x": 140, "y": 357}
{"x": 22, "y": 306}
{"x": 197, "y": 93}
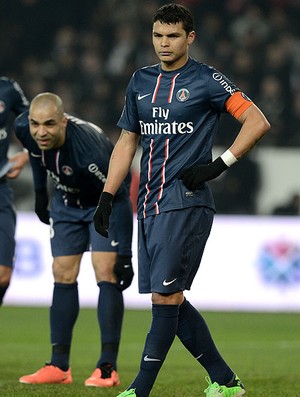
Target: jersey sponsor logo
{"x": 173, "y": 128}
{"x": 140, "y": 97}
{"x": 165, "y": 128}
{"x": 59, "y": 186}
{"x": 183, "y": 94}
{"x": 218, "y": 77}
{"x": 2, "y": 106}
{"x": 166, "y": 283}
{"x": 3, "y": 134}
{"x": 94, "y": 169}
{"x": 67, "y": 170}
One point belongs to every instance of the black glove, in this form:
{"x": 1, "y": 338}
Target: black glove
{"x": 41, "y": 205}
{"x": 194, "y": 177}
{"x": 102, "y": 214}
{"x": 124, "y": 271}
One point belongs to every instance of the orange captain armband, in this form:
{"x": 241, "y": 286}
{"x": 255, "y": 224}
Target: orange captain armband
{"x": 237, "y": 104}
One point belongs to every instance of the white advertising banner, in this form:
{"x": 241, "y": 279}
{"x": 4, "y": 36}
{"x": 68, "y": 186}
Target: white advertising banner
{"x": 250, "y": 264}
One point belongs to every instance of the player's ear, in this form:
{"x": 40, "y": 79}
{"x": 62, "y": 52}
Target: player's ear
{"x": 65, "y": 121}
{"x": 191, "y": 37}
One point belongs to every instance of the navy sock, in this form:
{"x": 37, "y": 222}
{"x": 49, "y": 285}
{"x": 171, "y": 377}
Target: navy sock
{"x": 2, "y": 293}
{"x": 195, "y": 336}
{"x": 158, "y": 342}
{"x": 110, "y": 318}
{"x": 63, "y": 315}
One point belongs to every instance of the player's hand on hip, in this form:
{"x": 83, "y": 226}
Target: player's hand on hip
{"x": 194, "y": 177}
{"x": 41, "y": 205}
{"x": 102, "y": 214}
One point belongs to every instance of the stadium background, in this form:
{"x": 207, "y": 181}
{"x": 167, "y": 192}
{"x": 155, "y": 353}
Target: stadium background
{"x": 86, "y": 53}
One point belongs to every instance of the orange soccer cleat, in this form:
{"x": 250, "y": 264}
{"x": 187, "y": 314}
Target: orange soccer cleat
{"x": 48, "y": 374}
{"x": 106, "y": 376}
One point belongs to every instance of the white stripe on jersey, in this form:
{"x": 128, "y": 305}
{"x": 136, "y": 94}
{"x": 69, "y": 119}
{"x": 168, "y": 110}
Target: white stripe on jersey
{"x": 163, "y": 176}
{"x": 149, "y": 175}
{"x": 172, "y": 87}
{"x": 156, "y": 88}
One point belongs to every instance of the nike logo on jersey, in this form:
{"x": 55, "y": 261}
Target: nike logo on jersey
{"x": 147, "y": 358}
{"x": 140, "y": 97}
{"x": 114, "y": 243}
{"x": 35, "y": 155}
{"x": 166, "y": 283}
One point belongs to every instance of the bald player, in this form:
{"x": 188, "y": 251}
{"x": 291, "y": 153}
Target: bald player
{"x": 75, "y": 154}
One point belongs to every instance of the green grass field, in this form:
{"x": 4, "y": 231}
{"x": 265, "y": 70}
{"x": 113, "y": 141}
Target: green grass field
{"x": 263, "y": 348}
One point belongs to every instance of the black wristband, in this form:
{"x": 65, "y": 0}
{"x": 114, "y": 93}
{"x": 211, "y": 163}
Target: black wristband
{"x": 219, "y": 166}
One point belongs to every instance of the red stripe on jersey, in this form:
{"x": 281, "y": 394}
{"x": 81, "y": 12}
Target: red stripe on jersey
{"x": 172, "y": 88}
{"x": 163, "y": 175}
{"x": 156, "y": 88}
{"x": 149, "y": 176}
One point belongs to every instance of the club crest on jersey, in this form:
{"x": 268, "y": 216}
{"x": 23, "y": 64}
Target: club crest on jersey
{"x": 2, "y": 106}
{"x": 67, "y": 170}
{"x": 182, "y": 95}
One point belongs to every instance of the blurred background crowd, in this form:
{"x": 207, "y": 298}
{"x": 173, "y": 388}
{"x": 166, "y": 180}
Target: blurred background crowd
{"x": 86, "y": 51}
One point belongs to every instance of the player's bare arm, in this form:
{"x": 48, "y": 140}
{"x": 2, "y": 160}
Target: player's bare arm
{"x": 121, "y": 160}
{"x": 254, "y": 127}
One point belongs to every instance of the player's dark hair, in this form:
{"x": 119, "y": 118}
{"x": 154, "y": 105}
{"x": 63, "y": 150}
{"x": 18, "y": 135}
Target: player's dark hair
{"x": 175, "y": 13}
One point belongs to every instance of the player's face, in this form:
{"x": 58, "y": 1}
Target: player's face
{"x": 171, "y": 44}
{"x": 47, "y": 126}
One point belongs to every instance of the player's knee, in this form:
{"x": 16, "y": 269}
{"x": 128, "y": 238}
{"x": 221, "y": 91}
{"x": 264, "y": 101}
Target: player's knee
{"x": 5, "y": 276}
{"x": 168, "y": 299}
{"x": 4, "y": 281}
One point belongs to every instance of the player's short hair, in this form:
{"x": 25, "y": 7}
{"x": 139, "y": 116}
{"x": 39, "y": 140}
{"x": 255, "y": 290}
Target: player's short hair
{"x": 46, "y": 98}
{"x": 175, "y": 13}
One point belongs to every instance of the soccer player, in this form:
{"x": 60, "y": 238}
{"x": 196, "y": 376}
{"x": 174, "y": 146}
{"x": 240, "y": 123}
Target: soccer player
{"x": 75, "y": 155}
{"x": 173, "y": 108}
{"x": 12, "y": 101}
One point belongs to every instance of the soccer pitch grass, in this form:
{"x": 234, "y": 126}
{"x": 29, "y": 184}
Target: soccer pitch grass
{"x": 264, "y": 349}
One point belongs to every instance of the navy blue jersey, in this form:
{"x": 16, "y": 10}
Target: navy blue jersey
{"x": 78, "y": 168}
{"x": 176, "y": 113}
{"x": 12, "y": 100}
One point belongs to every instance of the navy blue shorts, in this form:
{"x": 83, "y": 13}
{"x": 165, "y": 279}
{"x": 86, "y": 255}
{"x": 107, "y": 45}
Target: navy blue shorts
{"x": 7, "y": 225}
{"x": 72, "y": 229}
{"x": 170, "y": 248}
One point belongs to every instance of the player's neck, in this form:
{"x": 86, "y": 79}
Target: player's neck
{"x": 178, "y": 64}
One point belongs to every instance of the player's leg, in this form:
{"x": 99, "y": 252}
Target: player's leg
{"x": 7, "y": 238}
{"x": 192, "y": 328}
{"x": 63, "y": 314}
{"x": 69, "y": 239}
{"x": 5, "y": 276}
{"x": 64, "y": 309}
{"x": 107, "y": 255}
{"x": 110, "y": 310}
{"x": 158, "y": 341}
{"x": 160, "y": 272}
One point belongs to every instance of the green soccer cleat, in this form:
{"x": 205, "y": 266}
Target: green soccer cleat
{"x": 127, "y": 393}
{"x": 233, "y": 389}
